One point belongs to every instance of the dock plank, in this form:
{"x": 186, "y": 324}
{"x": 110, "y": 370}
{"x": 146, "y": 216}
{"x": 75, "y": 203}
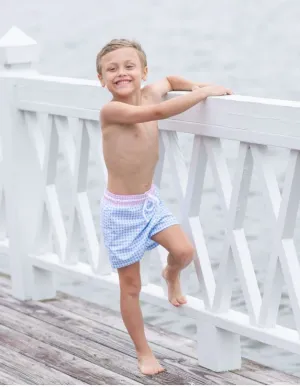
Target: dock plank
{"x": 86, "y": 343}
{"x": 105, "y": 335}
{"x": 113, "y": 319}
{"x": 59, "y": 360}
{"x": 30, "y": 371}
{"x": 83, "y": 347}
{"x": 265, "y": 375}
{"x": 7, "y": 379}
{"x": 184, "y": 345}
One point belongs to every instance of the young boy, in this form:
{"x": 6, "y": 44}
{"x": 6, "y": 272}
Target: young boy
{"x": 133, "y": 217}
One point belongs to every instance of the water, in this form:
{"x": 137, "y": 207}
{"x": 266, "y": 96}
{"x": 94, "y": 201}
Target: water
{"x": 251, "y": 47}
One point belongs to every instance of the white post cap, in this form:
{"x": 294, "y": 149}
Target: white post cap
{"x": 17, "y": 48}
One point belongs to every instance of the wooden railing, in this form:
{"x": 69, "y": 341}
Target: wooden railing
{"x": 47, "y": 122}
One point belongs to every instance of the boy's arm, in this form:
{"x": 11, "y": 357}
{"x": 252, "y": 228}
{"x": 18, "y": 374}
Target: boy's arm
{"x": 121, "y": 113}
{"x": 175, "y": 83}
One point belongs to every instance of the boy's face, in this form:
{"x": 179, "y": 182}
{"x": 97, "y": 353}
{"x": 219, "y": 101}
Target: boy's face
{"x": 122, "y": 71}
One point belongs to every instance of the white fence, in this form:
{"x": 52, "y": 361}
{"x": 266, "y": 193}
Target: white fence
{"x": 42, "y": 117}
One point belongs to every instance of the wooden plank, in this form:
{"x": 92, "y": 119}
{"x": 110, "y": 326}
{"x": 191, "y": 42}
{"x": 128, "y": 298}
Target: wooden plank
{"x": 30, "y": 371}
{"x": 91, "y": 330}
{"x": 185, "y": 346}
{"x": 93, "y": 352}
{"x": 57, "y": 91}
{"x": 99, "y": 314}
{"x": 224, "y": 132}
{"x": 79, "y": 346}
{"x": 7, "y": 379}
{"x": 60, "y": 360}
{"x": 92, "y": 311}
{"x": 102, "y": 316}
{"x": 111, "y": 318}
{"x": 265, "y": 375}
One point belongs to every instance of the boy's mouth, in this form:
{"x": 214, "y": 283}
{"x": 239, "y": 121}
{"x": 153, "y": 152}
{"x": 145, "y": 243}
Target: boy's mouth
{"x": 122, "y": 82}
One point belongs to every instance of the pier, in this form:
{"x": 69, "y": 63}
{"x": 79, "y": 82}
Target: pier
{"x": 71, "y": 341}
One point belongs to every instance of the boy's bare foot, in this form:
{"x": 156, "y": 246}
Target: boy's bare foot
{"x": 174, "y": 290}
{"x": 149, "y": 365}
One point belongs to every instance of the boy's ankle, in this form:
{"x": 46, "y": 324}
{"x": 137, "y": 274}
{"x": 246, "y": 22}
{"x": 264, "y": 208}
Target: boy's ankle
{"x": 171, "y": 271}
{"x": 141, "y": 352}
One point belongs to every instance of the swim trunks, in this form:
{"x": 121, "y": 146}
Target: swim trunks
{"x": 129, "y": 221}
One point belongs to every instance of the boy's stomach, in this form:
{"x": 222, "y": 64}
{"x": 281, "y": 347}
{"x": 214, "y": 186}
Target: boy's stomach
{"x": 131, "y": 178}
{"x": 121, "y": 186}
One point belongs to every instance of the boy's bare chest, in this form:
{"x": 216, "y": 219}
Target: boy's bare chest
{"x": 146, "y": 130}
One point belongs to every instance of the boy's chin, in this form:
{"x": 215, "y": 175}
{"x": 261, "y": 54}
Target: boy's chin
{"x": 124, "y": 92}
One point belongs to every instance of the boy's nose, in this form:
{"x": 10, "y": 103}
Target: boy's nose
{"x": 122, "y": 71}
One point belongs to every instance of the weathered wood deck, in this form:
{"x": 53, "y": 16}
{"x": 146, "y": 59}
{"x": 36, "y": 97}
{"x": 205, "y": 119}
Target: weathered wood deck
{"x": 71, "y": 341}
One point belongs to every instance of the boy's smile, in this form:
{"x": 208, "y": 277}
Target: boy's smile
{"x": 122, "y": 82}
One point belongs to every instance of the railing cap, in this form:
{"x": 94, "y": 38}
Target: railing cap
{"x": 16, "y": 48}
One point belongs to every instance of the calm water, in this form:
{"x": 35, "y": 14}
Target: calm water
{"x": 252, "y": 47}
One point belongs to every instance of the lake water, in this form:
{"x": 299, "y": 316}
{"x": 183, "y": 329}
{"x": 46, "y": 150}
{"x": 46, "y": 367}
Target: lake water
{"x": 252, "y": 47}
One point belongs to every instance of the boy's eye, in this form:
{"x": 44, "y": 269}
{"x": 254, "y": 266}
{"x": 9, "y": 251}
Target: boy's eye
{"x": 111, "y": 69}
{"x": 130, "y": 66}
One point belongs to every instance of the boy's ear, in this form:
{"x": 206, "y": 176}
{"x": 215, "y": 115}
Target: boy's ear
{"x": 145, "y": 73}
{"x": 101, "y": 80}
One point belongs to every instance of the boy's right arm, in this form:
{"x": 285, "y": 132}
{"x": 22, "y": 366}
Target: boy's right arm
{"x": 122, "y": 113}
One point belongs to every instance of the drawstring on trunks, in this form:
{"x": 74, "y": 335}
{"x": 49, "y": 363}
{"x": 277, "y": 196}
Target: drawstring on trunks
{"x": 152, "y": 200}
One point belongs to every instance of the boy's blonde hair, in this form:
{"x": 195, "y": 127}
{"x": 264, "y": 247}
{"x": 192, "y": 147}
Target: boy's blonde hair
{"x": 115, "y": 44}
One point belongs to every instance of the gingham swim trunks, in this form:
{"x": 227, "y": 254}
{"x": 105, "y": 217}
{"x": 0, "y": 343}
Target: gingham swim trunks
{"x": 129, "y": 221}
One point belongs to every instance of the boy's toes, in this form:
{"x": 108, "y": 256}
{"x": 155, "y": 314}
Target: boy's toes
{"x": 181, "y": 300}
{"x": 160, "y": 369}
{"x": 177, "y": 301}
{"x": 174, "y": 301}
{"x": 149, "y": 365}
{"x": 152, "y": 370}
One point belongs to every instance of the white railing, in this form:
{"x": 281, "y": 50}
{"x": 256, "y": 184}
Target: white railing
{"x": 44, "y": 118}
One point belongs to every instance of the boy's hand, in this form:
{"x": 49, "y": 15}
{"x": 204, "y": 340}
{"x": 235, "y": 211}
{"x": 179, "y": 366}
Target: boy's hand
{"x": 213, "y": 90}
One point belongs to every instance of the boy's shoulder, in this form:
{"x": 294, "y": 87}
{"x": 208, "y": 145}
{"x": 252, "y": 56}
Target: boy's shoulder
{"x": 107, "y": 111}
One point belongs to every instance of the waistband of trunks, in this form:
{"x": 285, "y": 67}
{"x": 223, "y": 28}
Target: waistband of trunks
{"x": 129, "y": 199}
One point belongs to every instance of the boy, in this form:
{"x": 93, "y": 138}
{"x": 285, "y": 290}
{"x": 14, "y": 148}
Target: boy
{"x": 133, "y": 217}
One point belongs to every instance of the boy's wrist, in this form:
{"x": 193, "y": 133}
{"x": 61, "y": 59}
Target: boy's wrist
{"x": 204, "y": 91}
{"x": 201, "y": 85}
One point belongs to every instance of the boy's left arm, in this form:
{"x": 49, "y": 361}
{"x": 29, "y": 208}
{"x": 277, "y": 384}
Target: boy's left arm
{"x": 175, "y": 83}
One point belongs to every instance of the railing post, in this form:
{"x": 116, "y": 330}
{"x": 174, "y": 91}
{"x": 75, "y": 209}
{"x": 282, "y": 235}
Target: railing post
{"x": 218, "y": 350}
{"x": 22, "y": 180}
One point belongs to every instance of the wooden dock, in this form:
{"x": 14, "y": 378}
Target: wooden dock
{"x": 71, "y": 341}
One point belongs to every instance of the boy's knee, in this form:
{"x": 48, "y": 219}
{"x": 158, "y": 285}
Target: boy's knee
{"x": 186, "y": 254}
{"x": 131, "y": 287}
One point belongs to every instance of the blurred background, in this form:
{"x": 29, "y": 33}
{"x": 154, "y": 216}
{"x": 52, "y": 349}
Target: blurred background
{"x": 249, "y": 46}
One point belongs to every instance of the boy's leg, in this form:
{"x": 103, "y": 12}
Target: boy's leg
{"x": 181, "y": 253}
{"x": 130, "y": 287}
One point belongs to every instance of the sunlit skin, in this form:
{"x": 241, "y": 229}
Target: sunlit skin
{"x": 131, "y": 151}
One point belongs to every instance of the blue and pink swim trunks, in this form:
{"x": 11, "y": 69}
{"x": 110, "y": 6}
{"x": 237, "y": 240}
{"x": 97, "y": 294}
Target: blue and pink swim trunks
{"x": 129, "y": 221}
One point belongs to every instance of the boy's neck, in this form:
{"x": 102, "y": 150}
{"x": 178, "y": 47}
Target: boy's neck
{"x": 132, "y": 99}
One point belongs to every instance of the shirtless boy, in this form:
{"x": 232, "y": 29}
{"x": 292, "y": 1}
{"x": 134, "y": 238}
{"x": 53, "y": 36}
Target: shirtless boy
{"x": 133, "y": 217}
